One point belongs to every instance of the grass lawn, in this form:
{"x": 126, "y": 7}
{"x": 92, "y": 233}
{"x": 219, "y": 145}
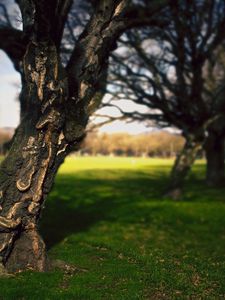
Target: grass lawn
{"x": 107, "y": 216}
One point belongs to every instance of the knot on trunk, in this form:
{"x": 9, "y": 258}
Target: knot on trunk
{"x": 53, "y": 118}
{"x": 7, "y": 224}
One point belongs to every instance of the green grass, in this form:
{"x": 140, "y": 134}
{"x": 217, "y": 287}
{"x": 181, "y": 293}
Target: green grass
{"x": 107, "y": 215}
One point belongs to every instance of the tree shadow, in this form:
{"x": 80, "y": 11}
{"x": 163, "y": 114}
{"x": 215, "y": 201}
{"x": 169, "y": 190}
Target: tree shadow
{"x": 77, "y": 202}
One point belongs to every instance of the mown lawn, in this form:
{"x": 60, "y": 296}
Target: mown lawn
{"x": 107, "y": 217}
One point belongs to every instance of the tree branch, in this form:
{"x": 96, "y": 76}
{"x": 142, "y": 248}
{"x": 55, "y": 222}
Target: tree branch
{"x": 13, "y": 43}
{"x": 5, "y": 15}
{"x": 140, "y": 16}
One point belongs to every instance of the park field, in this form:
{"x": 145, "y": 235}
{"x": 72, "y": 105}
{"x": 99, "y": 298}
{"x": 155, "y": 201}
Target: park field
{"x": 106, "y": 217}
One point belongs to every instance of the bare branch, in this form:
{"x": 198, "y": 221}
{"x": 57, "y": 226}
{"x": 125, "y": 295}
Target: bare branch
{"x": 13, "y": 43}
{"x": 5, "y": 15}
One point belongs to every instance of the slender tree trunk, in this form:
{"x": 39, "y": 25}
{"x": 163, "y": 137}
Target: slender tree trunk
{"x": 214, "y": 149}
{"x": 182, "y": 166}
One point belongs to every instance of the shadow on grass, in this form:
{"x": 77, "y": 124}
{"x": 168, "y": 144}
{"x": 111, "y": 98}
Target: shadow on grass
{"x": 78, "y": 201}
{"x": 134, "y": 243}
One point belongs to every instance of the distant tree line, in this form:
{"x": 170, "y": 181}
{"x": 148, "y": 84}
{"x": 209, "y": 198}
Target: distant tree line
{"x": 156, "y": 144}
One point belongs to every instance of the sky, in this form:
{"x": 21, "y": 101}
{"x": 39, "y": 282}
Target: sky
{"x": 9, "y": 106}
{"x": 9, "y": 88}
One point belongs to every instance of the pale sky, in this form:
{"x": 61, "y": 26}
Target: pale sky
{"x": 9, "y": 106}
{"x": 10, "y": 81}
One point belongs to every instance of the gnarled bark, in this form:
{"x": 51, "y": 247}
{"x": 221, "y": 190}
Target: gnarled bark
{"x": 55, "y": 105}
{"x": 38, "y": 148}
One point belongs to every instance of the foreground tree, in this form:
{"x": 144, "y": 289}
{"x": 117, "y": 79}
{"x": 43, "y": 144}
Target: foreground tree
{"x": 56, "y": 101}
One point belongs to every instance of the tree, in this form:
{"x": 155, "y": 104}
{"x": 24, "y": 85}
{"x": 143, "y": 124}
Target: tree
{"x": 214, "y": 144}
{"x": 164, "y": 70}
{"x": 56, "y": 101}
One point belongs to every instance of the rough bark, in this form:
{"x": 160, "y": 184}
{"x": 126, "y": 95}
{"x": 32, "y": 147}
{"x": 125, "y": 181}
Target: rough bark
{"x": 54, "y": 117}
{"x": 53, "y": 121}
{"x": 214, "y": 149}
{"x": 38, "y": 148}
{"x": 182, "y": 166}
{"x": 55, "y": 105}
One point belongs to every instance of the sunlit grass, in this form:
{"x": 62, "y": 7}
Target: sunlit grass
{"x": 74, "y": 163}
{"x": 108, "y": 216}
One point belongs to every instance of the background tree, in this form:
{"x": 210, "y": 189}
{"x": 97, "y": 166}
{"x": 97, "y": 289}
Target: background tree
{"x": 164, "y": 70}
{"x": 214, "y": 144}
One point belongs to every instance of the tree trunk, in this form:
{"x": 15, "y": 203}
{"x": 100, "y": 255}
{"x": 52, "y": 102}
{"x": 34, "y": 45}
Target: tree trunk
{"x": 22, "y": 182}
{"x": 214, "y": 149}
{"x": 182, "y": 166}
{"x": 39, "y": 146}
{"x": 56, "y": 103}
